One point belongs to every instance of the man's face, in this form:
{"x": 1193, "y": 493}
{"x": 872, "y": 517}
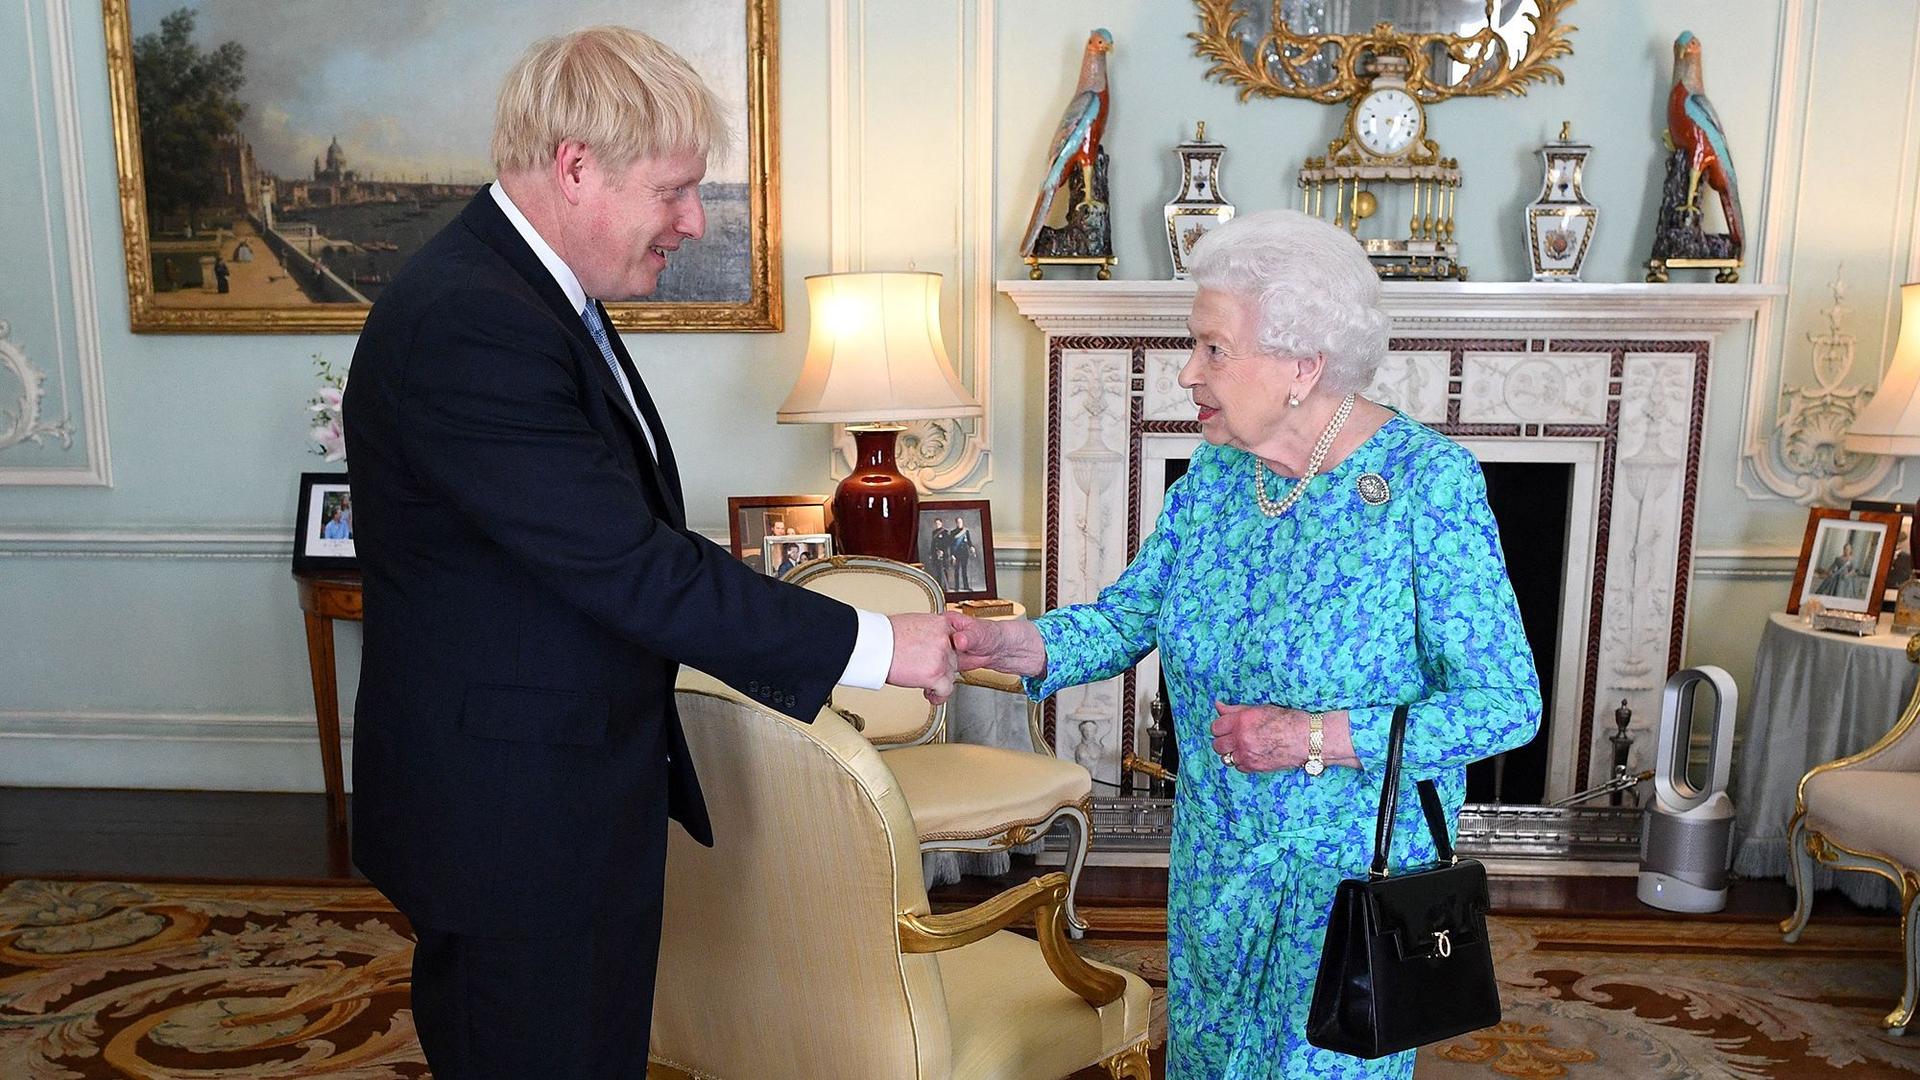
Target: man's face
{"x": 630, "y": 223}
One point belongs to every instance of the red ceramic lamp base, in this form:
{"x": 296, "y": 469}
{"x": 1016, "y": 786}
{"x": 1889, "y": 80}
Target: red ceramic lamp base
{"x": 874, "y": 507}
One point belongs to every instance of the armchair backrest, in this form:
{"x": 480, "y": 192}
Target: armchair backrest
{"x": 779, "y": 954}
{"x": 894, "y": 715}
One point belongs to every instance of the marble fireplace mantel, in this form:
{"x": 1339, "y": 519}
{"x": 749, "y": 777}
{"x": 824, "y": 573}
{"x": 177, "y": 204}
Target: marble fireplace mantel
{"x": 1610, "y": 379}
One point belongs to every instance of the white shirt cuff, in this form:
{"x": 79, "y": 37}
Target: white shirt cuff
{"x": 872, "y": 653}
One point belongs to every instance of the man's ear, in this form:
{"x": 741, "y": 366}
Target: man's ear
{"x": 572, "y": 161}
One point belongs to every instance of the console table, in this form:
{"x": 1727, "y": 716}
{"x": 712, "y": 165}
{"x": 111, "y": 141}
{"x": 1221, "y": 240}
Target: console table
{"x": 324, "y": 598}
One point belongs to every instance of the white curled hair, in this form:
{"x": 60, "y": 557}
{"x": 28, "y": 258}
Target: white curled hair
{"x": 1313, "y": 290}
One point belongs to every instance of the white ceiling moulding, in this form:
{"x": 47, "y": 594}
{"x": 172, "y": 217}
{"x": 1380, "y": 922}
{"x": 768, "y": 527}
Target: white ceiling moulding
{"x": 940, "y": 456}
{"x": 44, "y": 404}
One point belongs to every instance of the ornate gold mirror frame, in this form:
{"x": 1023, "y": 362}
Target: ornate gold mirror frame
{"x": 1486, "y": 55}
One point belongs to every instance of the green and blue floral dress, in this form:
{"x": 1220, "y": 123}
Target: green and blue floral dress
{"x": 1343, "y": 602}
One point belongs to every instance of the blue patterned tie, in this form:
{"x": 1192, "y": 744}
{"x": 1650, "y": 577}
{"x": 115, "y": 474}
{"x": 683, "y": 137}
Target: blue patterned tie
{"x": 595, "y": 326}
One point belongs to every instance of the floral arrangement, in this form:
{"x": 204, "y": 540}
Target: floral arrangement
{"x": 329, "y": 425}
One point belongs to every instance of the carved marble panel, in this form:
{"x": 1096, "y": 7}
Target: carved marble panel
{"x": 1094, "y": 436}
{"x": 1166, "y": 399}
{"x": 1533, "y": 388}
{"x": 1415, "y": 383}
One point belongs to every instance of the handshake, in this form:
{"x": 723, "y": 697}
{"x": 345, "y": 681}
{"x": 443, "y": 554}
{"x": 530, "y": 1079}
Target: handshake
{"x": 930, "y": 651}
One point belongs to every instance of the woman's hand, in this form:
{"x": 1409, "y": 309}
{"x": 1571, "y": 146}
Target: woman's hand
{"x": 1009, "y": 645}
{"x": 1268, "y": 738}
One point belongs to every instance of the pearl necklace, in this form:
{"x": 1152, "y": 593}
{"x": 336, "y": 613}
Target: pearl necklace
{"x": 1274, "y": 509}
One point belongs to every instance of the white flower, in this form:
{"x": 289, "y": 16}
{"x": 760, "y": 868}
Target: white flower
{"x": 329, "y": 421}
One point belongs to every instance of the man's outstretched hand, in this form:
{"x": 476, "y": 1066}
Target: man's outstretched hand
{"x": 923, "y": 655}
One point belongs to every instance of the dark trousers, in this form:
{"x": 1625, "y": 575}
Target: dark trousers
{"x": 574, "y": 1007}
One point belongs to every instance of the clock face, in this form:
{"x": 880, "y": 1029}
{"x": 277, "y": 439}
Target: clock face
{"x": 1387, "y": 122}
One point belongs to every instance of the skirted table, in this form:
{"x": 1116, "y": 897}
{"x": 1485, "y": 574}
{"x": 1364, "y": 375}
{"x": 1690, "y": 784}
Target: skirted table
{"x": 1817, "y": 696}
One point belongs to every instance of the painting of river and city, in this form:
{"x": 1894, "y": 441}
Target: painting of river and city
{"x": 294, "y": 154}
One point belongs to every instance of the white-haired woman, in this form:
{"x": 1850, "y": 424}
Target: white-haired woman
{"x": 1323, "y": 560}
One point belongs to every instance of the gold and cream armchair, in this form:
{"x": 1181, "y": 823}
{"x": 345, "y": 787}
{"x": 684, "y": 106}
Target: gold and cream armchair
{"x": 801, "y": 944}
{"x": 964, "y": 797}
{"x": 1858, "y": 813}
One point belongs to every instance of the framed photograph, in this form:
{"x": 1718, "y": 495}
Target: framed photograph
{"x": 1844, "y": 560}
{"x": 753, "y": 518}
{"x": 779, "y": 554}
{"x": 323, "y": 524}
{"x": 1902, "y": 566}
{"x": 954, "y": 540}
{"x": 279, "y": 160}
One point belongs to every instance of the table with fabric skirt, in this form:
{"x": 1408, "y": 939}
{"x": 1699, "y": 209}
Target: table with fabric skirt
{"x": 1817, "y": 695}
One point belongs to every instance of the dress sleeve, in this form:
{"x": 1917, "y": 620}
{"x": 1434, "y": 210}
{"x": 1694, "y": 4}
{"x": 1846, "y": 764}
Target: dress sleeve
{"x": 1090, "y": 642}
{"x": 1483, "y": 693}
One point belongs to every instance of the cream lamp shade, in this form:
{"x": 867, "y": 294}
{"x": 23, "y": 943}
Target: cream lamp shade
{"x": 1890, "y": 424}
{"x": 874, "y": 353}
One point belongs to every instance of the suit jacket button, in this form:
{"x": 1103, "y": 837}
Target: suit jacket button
{"x": 753, "y": 687}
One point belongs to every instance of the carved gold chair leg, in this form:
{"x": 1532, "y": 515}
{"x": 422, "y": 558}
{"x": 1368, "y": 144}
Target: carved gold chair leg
{"x": 1079, "y": 821}
{"x": 1129, "y": 1064}
{"x": 1897, "y": 1021}
{"x": 1800, "y": 867}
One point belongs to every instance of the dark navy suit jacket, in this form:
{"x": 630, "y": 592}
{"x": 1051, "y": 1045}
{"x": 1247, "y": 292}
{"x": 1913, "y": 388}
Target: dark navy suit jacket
{"x": 531, "y": 589}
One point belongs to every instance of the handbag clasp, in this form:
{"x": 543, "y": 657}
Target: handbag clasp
{"x": 1441, "y": 944}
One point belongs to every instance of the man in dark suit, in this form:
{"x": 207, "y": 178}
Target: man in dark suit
{"x": 531, "y": 586}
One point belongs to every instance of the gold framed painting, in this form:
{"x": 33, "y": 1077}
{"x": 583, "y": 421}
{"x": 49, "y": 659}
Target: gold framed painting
{"x": 279, "y": 160}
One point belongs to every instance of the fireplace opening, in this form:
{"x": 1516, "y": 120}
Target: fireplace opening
{"x": 1531, "y": 502}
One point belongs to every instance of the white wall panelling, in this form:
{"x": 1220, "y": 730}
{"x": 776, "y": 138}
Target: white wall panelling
{"x": 52, "y": 402}
{"x": 1841, "y": 182}
{"x": 889, "y": 205}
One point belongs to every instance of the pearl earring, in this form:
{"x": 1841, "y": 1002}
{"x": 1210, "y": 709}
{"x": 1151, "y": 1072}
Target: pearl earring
{"x": 1293, "y": 400}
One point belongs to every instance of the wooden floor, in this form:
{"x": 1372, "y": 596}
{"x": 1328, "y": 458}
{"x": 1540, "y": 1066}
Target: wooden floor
{"x": 189, "y": 835}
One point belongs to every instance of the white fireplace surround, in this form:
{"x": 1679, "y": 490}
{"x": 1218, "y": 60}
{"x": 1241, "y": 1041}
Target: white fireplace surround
{"x": 1610, "y": 379}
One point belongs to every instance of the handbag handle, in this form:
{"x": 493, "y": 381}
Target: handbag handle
{"x": 1389, "y": 804}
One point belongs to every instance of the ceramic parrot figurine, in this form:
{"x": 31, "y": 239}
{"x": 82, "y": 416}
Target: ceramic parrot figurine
{"x": 1076, "y": 143}
{"x": 1693, "y": 126}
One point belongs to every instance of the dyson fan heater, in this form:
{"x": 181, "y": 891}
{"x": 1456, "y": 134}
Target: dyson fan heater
{"x": 1686, "y": 835}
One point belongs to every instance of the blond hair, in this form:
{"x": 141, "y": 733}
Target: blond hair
{"x": 622, "y": 93}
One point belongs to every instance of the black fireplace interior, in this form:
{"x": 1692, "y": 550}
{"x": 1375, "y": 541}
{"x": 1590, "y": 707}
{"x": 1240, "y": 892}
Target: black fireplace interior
{"x": 1530, "y": 502}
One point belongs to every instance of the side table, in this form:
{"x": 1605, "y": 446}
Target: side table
{"x": 1817, "y": 695}
{"x": 324, "y": 598}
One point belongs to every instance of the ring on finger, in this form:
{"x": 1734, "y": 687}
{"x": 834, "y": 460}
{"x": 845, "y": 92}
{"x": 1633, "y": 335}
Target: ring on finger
{"x": 1227, "y": 759}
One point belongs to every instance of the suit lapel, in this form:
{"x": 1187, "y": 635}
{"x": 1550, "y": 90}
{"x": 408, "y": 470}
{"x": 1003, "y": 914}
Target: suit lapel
{"x": 487, "y": 221}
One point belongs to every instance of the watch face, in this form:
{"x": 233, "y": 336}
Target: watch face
{"x": 1386, "y": 122}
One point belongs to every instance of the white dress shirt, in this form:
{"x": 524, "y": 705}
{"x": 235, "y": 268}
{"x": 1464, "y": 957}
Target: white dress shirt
{"x": 873, "y": 649}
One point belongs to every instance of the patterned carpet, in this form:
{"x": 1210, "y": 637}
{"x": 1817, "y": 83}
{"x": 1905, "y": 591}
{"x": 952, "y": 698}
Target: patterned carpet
{"x": 206, "y": 982}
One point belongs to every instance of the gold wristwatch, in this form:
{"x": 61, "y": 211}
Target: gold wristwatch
{"x": 1316, "y": 743}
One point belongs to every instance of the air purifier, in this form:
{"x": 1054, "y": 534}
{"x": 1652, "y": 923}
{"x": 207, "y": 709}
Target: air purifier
{"x": 1686, "y": 834}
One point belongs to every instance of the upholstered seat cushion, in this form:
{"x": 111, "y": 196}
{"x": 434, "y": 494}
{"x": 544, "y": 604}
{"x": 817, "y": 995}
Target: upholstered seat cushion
{"x": 1004, "y": 1005}
{"x": 1867, "y": 811}
{"x": 960, "y": 790}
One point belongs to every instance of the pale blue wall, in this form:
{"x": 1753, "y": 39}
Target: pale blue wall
{"x": 158, "y": 612}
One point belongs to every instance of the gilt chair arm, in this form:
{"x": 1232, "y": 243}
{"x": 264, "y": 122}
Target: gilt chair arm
{"x": 1902, "y": 728}
{"x": 1045, "y": 898}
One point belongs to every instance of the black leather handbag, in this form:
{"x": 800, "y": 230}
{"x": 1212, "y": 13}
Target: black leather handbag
{"x": 1406, "y": 960}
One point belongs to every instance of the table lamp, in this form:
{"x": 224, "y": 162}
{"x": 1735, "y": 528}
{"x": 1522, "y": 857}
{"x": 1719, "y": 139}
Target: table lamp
{"x": 1890, "y": 425}
{"x": 874, "y": 360}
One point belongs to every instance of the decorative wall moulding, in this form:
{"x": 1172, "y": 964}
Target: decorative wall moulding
{"x": 1804, "y": 457}
{"x": 53, "y": 410}
{"x": 1157, "y": 306}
